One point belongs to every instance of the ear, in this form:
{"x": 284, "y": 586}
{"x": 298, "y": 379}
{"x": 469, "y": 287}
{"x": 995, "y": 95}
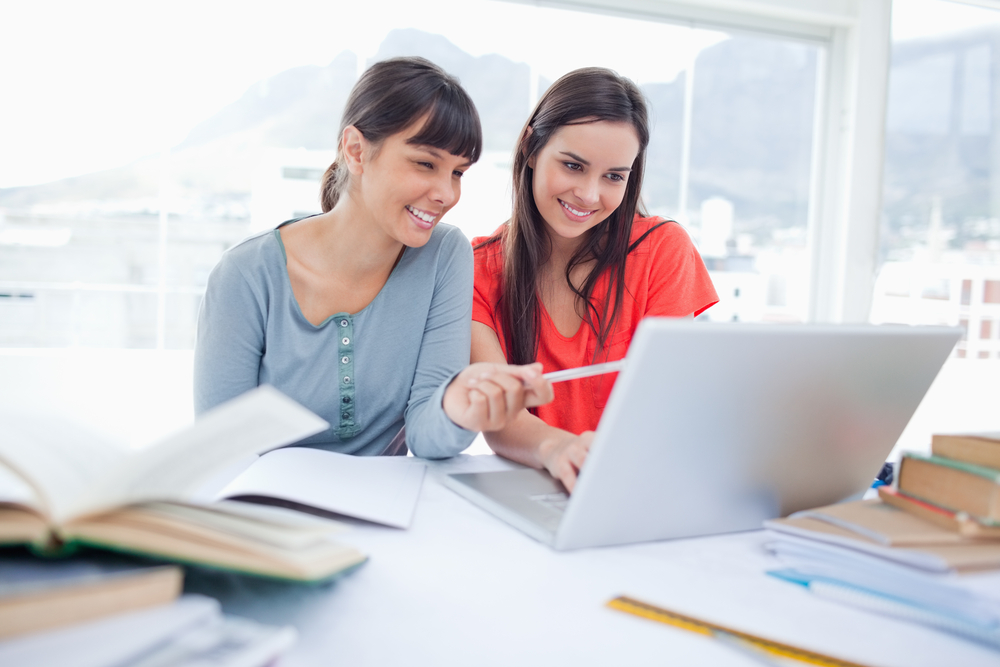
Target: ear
{"x": 353, "y": 146}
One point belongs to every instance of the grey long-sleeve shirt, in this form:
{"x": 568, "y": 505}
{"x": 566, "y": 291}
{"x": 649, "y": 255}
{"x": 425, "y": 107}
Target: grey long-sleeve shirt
{"x": 366, "y": 373}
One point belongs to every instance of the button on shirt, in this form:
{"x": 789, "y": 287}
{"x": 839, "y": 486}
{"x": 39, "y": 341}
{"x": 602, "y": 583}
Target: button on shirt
{"x": 403, "y": 348}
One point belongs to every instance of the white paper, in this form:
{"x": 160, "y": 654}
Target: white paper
{"x": 971, "y": 595}
{"x": 110, "y": 641}
{"x": 382, "y": 489}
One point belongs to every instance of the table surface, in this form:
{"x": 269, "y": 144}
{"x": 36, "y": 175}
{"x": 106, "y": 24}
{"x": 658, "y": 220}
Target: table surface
{"x": 461, "y": 587}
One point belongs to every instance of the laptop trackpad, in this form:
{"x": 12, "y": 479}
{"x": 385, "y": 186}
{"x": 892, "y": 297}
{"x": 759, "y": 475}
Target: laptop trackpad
{"x": 533, "y": 494}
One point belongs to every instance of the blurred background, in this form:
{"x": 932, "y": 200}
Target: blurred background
{"x": 140, "y": 140}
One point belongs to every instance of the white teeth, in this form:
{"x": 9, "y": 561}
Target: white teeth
{"x": 426, "y": 217}
{"x": 573, "y": 210}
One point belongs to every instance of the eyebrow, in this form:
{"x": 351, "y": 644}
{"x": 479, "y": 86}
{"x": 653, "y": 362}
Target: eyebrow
{"x": 434, "y": 152}
{"x": 587, "y": 162}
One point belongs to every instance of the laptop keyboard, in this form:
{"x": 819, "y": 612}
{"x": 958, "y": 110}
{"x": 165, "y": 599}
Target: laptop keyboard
{"x": 556, "y": 501}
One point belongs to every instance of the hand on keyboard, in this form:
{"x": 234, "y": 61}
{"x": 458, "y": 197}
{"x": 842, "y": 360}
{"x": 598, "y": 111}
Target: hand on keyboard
{"x": 564, "y": 455}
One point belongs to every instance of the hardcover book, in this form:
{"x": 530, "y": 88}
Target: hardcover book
{"x": 952, "y": 484}
{"x": 61, "y": 486}
{"x": 979, "y": 448}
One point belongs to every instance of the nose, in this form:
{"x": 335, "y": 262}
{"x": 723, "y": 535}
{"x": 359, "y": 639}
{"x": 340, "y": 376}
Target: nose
{"x": 588, "y": 190}
{"x": 446, "y": 190}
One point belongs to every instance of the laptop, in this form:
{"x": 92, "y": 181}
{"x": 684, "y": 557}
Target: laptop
{"x": 713, "y": 428}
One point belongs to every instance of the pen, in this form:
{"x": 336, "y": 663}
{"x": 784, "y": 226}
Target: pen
{"x": 585, "y": 371}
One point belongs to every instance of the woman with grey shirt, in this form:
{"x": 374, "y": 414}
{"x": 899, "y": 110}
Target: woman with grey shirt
{"x": 363, "y": 313}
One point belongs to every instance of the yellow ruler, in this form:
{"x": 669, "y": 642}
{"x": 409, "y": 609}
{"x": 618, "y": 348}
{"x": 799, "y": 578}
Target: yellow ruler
{"x": 767, "y": 646}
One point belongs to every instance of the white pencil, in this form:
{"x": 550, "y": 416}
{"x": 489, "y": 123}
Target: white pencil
{"x": 585, "y": 371}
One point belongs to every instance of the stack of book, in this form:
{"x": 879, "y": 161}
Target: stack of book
{"x": 957, "y": 487}
{"x": 97, "y": 612}
{"x": 89, "y": 529}
{"x": 927, "y": 550}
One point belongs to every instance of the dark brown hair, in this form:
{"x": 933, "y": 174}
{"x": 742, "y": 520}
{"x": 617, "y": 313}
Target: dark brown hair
{"x": 585, "y": 95}
{"x": 389, "y": 97}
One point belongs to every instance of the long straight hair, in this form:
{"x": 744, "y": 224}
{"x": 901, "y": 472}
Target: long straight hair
{"x": 585, "y": 95}
{"x": 393, "y": 94}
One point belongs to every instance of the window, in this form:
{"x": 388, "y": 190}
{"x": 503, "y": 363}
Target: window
{"x": 939, "y": 254}
{"x": 169, "y": 156}
{"x": 941, "y": 204}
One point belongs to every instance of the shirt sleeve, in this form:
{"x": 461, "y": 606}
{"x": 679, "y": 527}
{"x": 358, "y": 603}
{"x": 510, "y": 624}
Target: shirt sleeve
{"x": 230, "y": 337}
{"x": 679, "y": 284}
{"x": 444, "y": 351}
{"x": 485, "y": 291}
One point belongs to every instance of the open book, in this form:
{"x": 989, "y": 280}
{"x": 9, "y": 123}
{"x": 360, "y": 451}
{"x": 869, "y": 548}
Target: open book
{"x": 381, "y": 489}
{"x": 60, "y": 486}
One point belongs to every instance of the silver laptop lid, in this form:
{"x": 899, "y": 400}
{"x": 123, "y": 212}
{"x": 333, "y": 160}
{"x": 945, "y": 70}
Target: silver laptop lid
{"x": 715, "y": 427}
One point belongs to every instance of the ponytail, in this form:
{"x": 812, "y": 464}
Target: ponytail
{"x": 332, "y": 185}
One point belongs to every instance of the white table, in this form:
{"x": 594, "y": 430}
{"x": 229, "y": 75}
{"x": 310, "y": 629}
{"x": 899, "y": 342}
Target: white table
{"x": 462, "y": 588}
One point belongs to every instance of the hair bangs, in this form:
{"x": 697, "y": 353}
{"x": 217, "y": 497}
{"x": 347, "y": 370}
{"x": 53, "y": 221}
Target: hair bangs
{"x": 452, "y": 125}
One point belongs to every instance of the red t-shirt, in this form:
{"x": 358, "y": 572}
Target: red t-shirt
{"x": 664, "y": 276}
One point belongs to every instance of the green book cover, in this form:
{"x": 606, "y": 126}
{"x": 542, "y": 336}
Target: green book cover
{"x": 991, "y": 474}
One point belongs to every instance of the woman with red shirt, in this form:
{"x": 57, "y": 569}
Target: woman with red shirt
{"x": 567, "y": 279}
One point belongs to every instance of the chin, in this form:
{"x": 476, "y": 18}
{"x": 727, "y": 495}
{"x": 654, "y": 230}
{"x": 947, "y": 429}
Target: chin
{"x": 417, "y": 239}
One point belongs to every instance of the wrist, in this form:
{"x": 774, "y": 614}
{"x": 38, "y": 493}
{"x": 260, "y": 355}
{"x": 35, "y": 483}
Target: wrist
{"x": 549, "y": 446}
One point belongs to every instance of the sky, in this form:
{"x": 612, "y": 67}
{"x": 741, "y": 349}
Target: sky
{"x": 95, "y": 84}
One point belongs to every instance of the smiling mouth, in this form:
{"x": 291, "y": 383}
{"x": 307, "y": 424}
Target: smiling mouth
{"x": 423, "y": 216}
{"x": 576, "y": 213}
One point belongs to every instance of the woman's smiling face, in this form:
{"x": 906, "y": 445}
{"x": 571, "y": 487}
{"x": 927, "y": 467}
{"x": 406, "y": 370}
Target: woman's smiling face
{"x": 579, "y": 177}
{"x": 409, "y": 187}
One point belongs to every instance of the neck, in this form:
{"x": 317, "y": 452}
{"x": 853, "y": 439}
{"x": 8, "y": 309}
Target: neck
{"x": 353, "y": 240}
{"x": 562, "y": 250}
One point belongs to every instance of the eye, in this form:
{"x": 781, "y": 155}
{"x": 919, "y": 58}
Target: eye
{"x": 617, "y": 178}
{"x": 458, "y": 173}
{"x": 573, "y": 166}
{"x": 426, "y": 165}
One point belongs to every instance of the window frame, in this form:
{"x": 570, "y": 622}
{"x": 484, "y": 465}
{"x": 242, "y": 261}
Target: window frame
{"x": 845, "y": 195}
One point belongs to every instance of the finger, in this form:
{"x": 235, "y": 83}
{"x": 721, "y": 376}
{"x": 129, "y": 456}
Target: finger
{"x": 476, "y": 410}
{"x": 513, "y": 389}
{"x": 538, "y": 392}
{"x": 577, "y": 454}
{"x": 496, "y": 402}
{"x": 567, "y": 475}
{"x": 562, "y": 469}
{"x": 526, "y": 373}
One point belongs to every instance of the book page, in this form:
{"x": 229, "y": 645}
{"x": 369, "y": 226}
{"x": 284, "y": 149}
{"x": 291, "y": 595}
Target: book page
{"x": 383, "y": 489}
{"x": 14, "y": 490}
{"x": 883, "y": 523}
{"x": 176, "y": 467}
{"x": 62, "y": 461}
{"x": 217, "y": 520}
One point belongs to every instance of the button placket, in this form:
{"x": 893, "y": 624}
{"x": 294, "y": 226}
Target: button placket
{"x": 347, "y": 426}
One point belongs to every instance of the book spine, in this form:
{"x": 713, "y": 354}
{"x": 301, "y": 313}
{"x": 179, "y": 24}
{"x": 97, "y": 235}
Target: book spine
{"x": 963, "y": 523}
{"x": 950, "y": 485}
{"x": 979, "y": 451}
{"x": 991, "y": 474}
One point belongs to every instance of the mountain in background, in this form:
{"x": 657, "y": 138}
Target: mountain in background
{"x": 751, "y": 137}
{"x": 298, "y": 108}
